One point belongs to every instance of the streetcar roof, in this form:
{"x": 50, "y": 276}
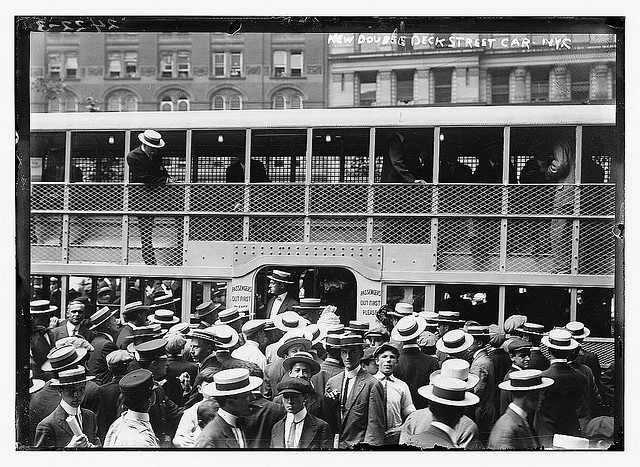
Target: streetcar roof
{"x": 520, "y": 115}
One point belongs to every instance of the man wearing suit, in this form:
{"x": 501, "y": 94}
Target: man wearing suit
{"x": 292, "y": 342}
{"x": 485, "y": 413}
{"x": 579, "y": 332}
{"x": 512, "y": 430}
{"x": 520, "y": 355}
{"x": 414, "y": 367}
{"x": 177, "y": 366}
{"x": 358, "y": 410}
{"x": 398, "y": 166}
{"x": 299, "y": 429}
{"x": 235, "y": 171}
{"x": 109, "y": 393}
{"x": 558, "y": 412}
{"x": 69, "y": 425}
{"x": 74, "y": 325}
{"x": 40, "y": 342}
{"x": 105, "y": 329}
{"x": 282, "y": 300}
{"x": 134, "y": 315}
{"x": 534, "y": 333}
{"x": 206, "y": 312}
{"x": 448, "y": 397}
{"x": 232, "y": 390}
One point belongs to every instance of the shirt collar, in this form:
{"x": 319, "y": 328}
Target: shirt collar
{"x": 67, "y": 408}
{"x": 331, "y": 359}
{"x": 446, "y": 428}
{"x": 558, "y": 360}
{"x": 282, "y": 296}
{"x": 297, "y": 417}
{"x": 477, "y": 352}
{"x": 518, "y": 410}
{"x": 252, "y": 343}
{"x": 516, "y": 367}
{"x": 229, "y": 418}
{"x": 535, "y": 348}
{"x": 109, "y": 336}
{"x": 352, "y": 373}
{"x": 410, "y": 346}
{"x": 381, "y": 376}
{"x": 133, "y": 415}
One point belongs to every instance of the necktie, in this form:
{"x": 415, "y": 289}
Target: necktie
{"x": 386, "y": 408}
{"x": 291, "y": 440}
{"x": 240, "y": 432}
{"x": 345, "y": 393}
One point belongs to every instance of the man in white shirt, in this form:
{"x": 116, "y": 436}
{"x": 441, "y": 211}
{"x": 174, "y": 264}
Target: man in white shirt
{"x": 299, "y": 429}
{"x": 133, "y": 428}
{"x": 255, "y": 343}
{"x": 281, "y": 300}
{"x": 397, "y": 396}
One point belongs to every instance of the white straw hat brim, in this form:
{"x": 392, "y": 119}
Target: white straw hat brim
{"x": 506, "y": 385}
{"x": 254, "y": 383}
{"x": 468, "y": 341}
{"x": 472, "y": 380}
{"x": 469, "y": 398}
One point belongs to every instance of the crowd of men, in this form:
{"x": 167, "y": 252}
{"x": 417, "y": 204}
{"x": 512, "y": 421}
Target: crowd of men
{"x": 301, "y": 379}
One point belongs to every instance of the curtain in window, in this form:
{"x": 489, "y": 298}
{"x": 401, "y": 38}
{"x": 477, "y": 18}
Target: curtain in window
{"x": 279, "y": 63}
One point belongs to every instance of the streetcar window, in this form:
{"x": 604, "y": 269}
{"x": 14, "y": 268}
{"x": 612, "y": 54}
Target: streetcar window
{"x": 474, "y": 302}
{"x": 173, "y": 153}
{"x": 282, "y": 152}
{"x": 46, "y": 287}
{"x": 416, "y": 147}
{"x": 413, "y": 294}
{"x": 472, "y": 155}
{"x": 340, "y": 155}
{"x": 549, "y": 306}
{"x": 532, "y": 152}
{"x": 47, "y": 157}
{"x": 212, "y": 154}
{"x": 598, "y": 152}
{"x": 98, "y": 155}
{"x": 203, "y": 291}
{"x": 595, "y": 310}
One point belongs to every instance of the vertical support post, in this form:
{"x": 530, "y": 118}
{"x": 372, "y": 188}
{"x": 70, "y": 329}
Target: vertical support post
{"x": 124, "y": 257}
{"x": 206, "y": 291}
{"x": 575, "y": 228}
{"x": 430, "y": 297}
{"x": 502, "y": 303}
{"x": 65, "y": 198}
{"x": 64, "y": 289}
{"x": 187, "y": 197}
{"x": 371, "y": 177}
{"x": 247, "y": 187}
{"x": 504, "y": 209}
{"x": 573, "y": 309}
{"x": 307, "y": 185}
{"x": 434, "y": 198}
{"x": 185, "y": 311}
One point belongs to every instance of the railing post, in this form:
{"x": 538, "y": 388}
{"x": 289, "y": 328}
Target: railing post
{"x": 577, "y": 188}
{"x": 187, "y": 197}
{"x": 307, "y": 186}
{"x": 247, "y": 186}
{"x": 371, "y": 177}
{"x": 124, "y": 257}
{"x": 504, "y": 209}
{"x": 434, "y": 197}
{"x": 65, "y": 198}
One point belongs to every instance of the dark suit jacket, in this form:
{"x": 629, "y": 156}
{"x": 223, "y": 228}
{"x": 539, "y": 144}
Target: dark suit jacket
{"x": 559, "y": 403}
{"x": 142, "y": 169}
{"x": 258, "y": 425}
{"x": 60, "y": 332}
{"x": 512, "y": 432}
{"x": 287, "y": 305}
{"x": 414, "y": 368}
{"x": 97, "y": 363}
{"x": 538, "y": 360}
{"x": 107, "y": 407}
{"x": 175, "y": 367}
{"x": 365, "y": 417}
{"x": 484, "y": 414}
{"x": 217, "y": 434}
{"x": 591, "y": 400}
{"x": 55, "y": 432}
{"x": 501, "y": 366}
{"x": 398, "y": 166}
{"x": 316, "y": 434}
{"x": 273, "y": 374}
{"x": 590, "y": 359}
{"x": 122, "y": 341}
{"x": 258, "y": 174}
{"x": 40, "y": 348}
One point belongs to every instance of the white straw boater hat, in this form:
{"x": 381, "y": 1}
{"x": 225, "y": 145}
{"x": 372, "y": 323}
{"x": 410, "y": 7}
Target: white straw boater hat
{"x": 289, "y": 320}
{"x": 449, "y": 391}
{"x": 578, "y": 330}
{"x": 233, "y": 381}
{"x": 401, "y": 310}
{"x": 560, "y": 339}
{"x": 408, "y": 328}
{"x": 456, "y": 368}
{"x": 38, "y": 307}
{"x": 281, "y": 276}
{"x": 71, "y": 376}
{"x": 151, "y": 138}
{"x": 165, "y": 318}
{"x": 525, "y": 380}
{"x": 454, "y": 341}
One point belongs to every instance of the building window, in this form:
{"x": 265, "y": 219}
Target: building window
{"x": 368, "y": 88}
{"x": 296, "y": 63}
{"x": 115, "y": 64}
{"x": 279, "y": 63}
{"x": 404, "y": 87}
{"x": 122, "y": 101}
{"x": 53, "y": 104}
{"x": 183, "y": 103}
{"x": 218, "y": 103}
{"x": 184, "y": 65}
{"x": 279, "y": 101}
{"x": 218, "y": 63}
{"x": 500, "y": 86}
{"x": 166, "y": 65}
{"x": 62, "y": 103}
{"x": 166, "y": 104}
{"x": 55, "y": 66}
{"x": 235, "y": 102}
{"x": 539, "y": 84}
{"x": 71, "y": 66}
{"x": 236, "y": 64}
{"x": 70, "y": 104}
{"x": 131, "y": 64}
{"x": 287, "y": 99}
{"x": 580, "y": 83}
{"x": 442, "y": 82}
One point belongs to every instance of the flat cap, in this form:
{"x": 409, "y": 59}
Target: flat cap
{"x": 117, "y": 358}
{"x": 296, "y": 385}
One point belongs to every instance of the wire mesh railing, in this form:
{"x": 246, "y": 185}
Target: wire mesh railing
{"x": 136, "y": 224}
